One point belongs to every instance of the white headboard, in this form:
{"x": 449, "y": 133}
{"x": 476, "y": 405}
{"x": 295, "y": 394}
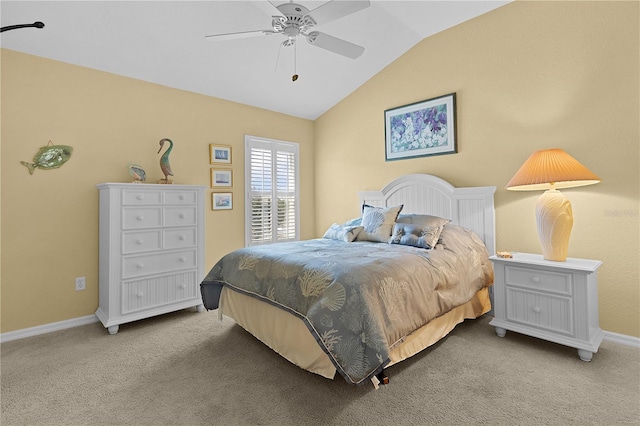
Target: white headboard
{"x": 471, "y": 208}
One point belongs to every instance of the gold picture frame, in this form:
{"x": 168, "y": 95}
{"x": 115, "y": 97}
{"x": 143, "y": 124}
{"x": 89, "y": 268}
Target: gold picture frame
{"x": 221, "y": 201}
{"x": 221, "y": 178}
{"x": 219, "y": 154}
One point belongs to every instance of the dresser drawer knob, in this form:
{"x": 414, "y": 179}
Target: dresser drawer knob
{"x": 181, "y": 237}
{"x": 181, "y": 197}
{"x": 140, "y": 197}
{"x": 182, "y": 259}
{"x": 535, "y": 279}
{"x": 181, "y": 215}
{"x": 140, "y": 217}
{"x": 183, "y": 286}
{"x": 139, "y": 241}
{"x": 140, "y": 294}
{"x": 140, "y": 265}
{"x": 536, "y": 309}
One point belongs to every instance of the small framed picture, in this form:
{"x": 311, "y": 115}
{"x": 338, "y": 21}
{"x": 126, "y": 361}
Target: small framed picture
{"x": 219, "y": 154}
{"x": 221, "y": 201}
{"x": 220, "y": 177}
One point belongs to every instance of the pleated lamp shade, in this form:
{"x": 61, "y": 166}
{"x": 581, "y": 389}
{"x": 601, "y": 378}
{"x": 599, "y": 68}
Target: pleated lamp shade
{"x": 551, "y": 169}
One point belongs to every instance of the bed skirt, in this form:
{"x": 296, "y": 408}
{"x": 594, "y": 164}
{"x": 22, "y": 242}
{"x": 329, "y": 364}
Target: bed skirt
{"x": 294, "y": 342}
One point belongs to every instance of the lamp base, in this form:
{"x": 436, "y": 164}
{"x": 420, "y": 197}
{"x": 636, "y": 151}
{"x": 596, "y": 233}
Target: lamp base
{"x": 554, "y": 217}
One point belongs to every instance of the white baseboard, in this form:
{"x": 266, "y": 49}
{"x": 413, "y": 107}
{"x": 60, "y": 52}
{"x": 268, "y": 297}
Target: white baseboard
{"x": 47, "y": 328}
{"x": 622, "y": 339}
{"x": 610, "y": 336}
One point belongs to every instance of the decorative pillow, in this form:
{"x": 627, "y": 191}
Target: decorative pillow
{"x": 422, "y": 220}
{"x": 407, "y": 234}
{"x": 342, "y": 232}
{"x": 378, "y": 223}
{"x": 353, "y": 222}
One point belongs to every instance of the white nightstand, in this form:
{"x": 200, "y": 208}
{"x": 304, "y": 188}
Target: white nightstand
{"x": 555, "y": 301}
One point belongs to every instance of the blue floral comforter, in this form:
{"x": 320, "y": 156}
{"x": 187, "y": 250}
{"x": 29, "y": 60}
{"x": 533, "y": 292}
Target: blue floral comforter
{"x": 360, "y": 299}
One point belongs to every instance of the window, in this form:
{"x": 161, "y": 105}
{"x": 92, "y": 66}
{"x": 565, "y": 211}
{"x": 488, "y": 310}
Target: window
{"x": 272, "y": 188}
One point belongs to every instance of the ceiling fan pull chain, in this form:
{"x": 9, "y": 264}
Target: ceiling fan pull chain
{"x": 278, "y": 57}
{"x": 295, "y": 62}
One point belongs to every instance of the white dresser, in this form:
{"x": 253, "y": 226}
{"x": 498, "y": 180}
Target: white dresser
{"x": 555, "y": 301}
{"x": 151, "y": 250}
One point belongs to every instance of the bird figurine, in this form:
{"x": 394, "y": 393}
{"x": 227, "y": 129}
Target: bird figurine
{"x": 164, "y": 161}
{"x": 137, "y": 173}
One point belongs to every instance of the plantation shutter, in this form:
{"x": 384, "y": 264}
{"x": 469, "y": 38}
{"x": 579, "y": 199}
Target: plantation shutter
{"x": 272, "y": 191}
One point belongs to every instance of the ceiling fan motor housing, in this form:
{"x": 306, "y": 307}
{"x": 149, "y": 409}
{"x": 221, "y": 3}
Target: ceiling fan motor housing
{"x": 294, "y": 20}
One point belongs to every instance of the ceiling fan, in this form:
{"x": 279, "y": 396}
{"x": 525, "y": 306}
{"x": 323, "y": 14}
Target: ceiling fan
{"x": 293, "y": 20}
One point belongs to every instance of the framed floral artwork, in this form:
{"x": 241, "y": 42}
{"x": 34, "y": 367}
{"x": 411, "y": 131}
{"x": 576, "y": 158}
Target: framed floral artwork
{"x": 222, "y": 201}
{"x": 421, "y": 129}
{"x": 221, "y": 177}
{"x": 219, "y": 154}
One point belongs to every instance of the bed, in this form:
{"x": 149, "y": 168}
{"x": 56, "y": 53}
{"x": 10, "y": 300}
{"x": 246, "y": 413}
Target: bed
{"x": 374, "y": 290}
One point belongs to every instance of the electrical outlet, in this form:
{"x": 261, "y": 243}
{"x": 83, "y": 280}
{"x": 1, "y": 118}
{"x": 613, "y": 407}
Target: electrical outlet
{"x": 81, "y": 283}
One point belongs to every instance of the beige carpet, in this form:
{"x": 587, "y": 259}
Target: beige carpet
{"x": 188, "y": 368}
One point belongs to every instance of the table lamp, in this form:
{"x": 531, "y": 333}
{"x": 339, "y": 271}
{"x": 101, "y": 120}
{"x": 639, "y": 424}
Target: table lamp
{"x": 550, "y": 170}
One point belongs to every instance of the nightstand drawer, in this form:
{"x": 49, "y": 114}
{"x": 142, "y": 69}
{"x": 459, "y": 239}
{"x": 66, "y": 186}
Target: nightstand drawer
{"x": 540, "y": 310}
{"x": 539, "y": 280}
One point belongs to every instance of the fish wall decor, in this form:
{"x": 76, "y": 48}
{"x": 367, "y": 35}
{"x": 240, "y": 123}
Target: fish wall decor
{"x": 49, "y": 157}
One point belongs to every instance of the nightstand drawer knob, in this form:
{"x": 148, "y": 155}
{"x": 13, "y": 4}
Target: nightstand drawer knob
{"x": 535, "y": 279}
{"x": 139, "y": 241}
{"x": 182, "y": 259}
{"x": 536, "y": 309}
{"x": 140, "y": 294}
{"x": 181, "y": 215}
{"x": 181, "y": 197}
{"x": 140, "y": 217}
{"x": 140, "y": 265}
{"x": 183, "y": 286}
{"x": 140, "y": 197}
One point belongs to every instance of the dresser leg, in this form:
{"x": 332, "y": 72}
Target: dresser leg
{"x": 585, "y": 355}
{"x": 200, "y": 308}
{"x": 501, "y": 332}
{"x": 113, "y": 329}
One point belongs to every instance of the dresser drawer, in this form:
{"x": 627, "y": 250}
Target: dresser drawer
{"x": 184, "y": 197}
{"x": 539, "y": 280}
{"x": 149, "y": 293}
{"x": 179, "y": 238}
{"x": 540, "y": 310}
{"x": 136, "y": 266}
{"x": 179, "y": 216}
{"x": 132, "y": 197}
{"x": 141, "y": 217}
{"x": 137, "y": 242}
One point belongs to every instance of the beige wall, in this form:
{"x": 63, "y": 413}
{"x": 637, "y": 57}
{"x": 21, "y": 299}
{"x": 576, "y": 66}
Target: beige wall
{"x": 50, "y": 218}
{"x": 528, "y": 76}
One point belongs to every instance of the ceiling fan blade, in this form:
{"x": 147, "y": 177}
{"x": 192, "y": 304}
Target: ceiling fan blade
{"x": 335, "y": 9}
{"x": 242, "y": 34}
{"x": 267, "y": 7}
{"x": 335, "y": 45}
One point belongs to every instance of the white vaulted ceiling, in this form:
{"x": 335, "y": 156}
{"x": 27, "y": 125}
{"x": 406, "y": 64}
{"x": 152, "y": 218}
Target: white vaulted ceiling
{"x": 164, "y": 42}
